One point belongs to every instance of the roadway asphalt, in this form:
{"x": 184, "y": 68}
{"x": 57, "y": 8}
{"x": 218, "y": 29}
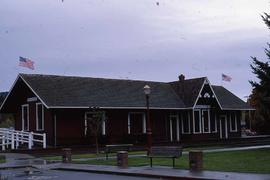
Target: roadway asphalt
{"x": 35, "y": 174}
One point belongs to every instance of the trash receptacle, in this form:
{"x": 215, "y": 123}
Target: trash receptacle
{"x": 196, "y": 160}
{"x": 122, "y": 159}
{"x": 66, "y": 158}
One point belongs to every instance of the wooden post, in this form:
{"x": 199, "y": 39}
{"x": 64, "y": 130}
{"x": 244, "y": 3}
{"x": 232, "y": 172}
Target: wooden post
{"x": 30, "y": 140}
{"x": 44, "y": 140}
{"x": 12, "y": 141}
{"x": 22, "y": 136}
{"x": 6, "y": 139}
{"x": 195, "y": 160}
{"x": 66, "y": 157}
{"x": 122, "y": 159}
{"x": 3, "y": 143}
{"x": 17, "y": 140}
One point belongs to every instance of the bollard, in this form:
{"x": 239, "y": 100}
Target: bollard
{"x": 122, "y": 159}
{"x": 196, "y": 160}
{"x": 66, "y": 158}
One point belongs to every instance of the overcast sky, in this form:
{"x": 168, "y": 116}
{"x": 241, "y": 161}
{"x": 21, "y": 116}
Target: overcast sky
{"x": 134, "y": 39}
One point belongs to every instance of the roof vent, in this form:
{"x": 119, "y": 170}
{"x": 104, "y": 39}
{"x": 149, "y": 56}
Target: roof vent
{"x": 181, "y": 77}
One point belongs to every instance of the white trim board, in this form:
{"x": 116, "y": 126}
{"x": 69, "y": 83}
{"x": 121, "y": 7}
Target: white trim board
{"x": 9, "y": 92}
{"x": 235, "y": 122}
{"x": 22, "y": 118}
{"x": 143, "y": 121}
{"x": 34, "y": 92}
{"x": 200, "y": 122}
{"x": 87, "y": 107}
{"x": 220, "y": 127}
{"x": 11, "y": 89}
{"x": 177, "y": 127}
{"x": 42, "y": 120}
{"x": 206, "y": 81}
{"x": 103, "y": 124}
{"x": 198, "y": 96}
{"x": 208, "y": 120}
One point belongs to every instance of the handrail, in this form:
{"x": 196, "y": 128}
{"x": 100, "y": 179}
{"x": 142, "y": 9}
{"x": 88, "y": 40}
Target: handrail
{"x": 14, "y": 138}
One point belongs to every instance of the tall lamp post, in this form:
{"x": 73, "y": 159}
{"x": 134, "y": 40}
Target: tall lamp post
{"x": 147, "y": 91}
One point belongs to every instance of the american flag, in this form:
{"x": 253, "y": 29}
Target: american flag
{"x": 24, "y": 62}
{"x": 226, "y": 78}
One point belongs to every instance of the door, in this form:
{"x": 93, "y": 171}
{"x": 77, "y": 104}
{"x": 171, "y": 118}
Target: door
{"x": 223, "y": 130}
{"x": 174, "y": 128}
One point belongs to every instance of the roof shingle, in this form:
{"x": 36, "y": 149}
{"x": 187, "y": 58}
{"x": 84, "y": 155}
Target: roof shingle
{"x": 70, "y": 91}
{"x": 228, "y": 100}
{"x": 85, "y": 91}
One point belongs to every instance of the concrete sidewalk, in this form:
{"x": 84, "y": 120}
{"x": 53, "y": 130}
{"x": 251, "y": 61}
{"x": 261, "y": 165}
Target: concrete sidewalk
{"x": 162, "y": 172}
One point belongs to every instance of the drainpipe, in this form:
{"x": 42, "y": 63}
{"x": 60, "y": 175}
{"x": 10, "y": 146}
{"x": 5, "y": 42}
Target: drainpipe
{"x": 54, "y": 127}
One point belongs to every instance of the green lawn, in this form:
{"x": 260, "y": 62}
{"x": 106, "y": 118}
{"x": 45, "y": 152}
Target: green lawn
{"x": 102, "y": 154}
{"x": 256, "y": 161}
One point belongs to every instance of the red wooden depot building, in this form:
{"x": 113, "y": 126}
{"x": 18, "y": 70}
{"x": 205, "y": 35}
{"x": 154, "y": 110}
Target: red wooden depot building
{"x": 180, "y": 111}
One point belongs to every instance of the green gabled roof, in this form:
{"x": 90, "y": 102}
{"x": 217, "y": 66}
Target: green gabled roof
{"x": 83, "y": 92}
{"x": 69, "y": 91}
{"x": 228, "y": 100}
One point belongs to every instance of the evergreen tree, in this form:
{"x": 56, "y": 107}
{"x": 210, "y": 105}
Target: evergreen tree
{"x": 260, "y": 97}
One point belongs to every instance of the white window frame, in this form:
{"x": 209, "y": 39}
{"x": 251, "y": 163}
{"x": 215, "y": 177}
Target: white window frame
{"x": 220, "y": 127}
{"x": 215, "y": 130}
{"x": 182, "y": 123}
{"x": 143, "y": 121}
{"x": 27, "y": 106}
{"x": 42, "y": 120}
{"x": 177, "y": 127}
{"x": 202, "y": 119}
{"x": 200, "y": 124}
{"x": 103, "y": 126}
{"x": 235, "y": 121}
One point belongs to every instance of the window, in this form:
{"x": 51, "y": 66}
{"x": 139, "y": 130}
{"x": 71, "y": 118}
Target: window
{"x": 233, "y": 122}
{"x": 136, "y": 123}
{"x": 213, "y": 121}
{"x": 206, "y": 95}
{"x": 197, "y": 121}
{"x": 185, "y": 122}
{"x": 206, "y": 121}
{"x": 87, "y": 125}
{"x": 39, "y": 117}
{"x": 25, "y": 117}
{"x": 174, "y": 128}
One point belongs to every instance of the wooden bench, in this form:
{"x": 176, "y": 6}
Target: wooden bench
{"x": 116, "y": 147}
{"x": 165, "y": 152}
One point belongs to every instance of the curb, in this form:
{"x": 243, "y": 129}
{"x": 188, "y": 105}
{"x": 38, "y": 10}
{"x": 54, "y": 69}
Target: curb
{"x": 149, "y": 175}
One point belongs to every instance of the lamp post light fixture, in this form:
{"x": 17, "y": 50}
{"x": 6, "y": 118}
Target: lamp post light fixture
{"x": 147, "y": 91}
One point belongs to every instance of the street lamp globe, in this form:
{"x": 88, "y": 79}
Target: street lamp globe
{"x": 147, "y": 90}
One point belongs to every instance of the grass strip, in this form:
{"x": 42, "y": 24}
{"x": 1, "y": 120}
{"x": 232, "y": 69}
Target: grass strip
{"x": 252, "y": 161}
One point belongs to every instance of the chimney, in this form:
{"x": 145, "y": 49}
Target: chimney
{"x": 181, "y": 78}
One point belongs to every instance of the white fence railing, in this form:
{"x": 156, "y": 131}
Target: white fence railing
{"x": 13, "y": 139}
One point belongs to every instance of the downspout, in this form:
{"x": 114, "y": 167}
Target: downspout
{"x": 54, "y": 128}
